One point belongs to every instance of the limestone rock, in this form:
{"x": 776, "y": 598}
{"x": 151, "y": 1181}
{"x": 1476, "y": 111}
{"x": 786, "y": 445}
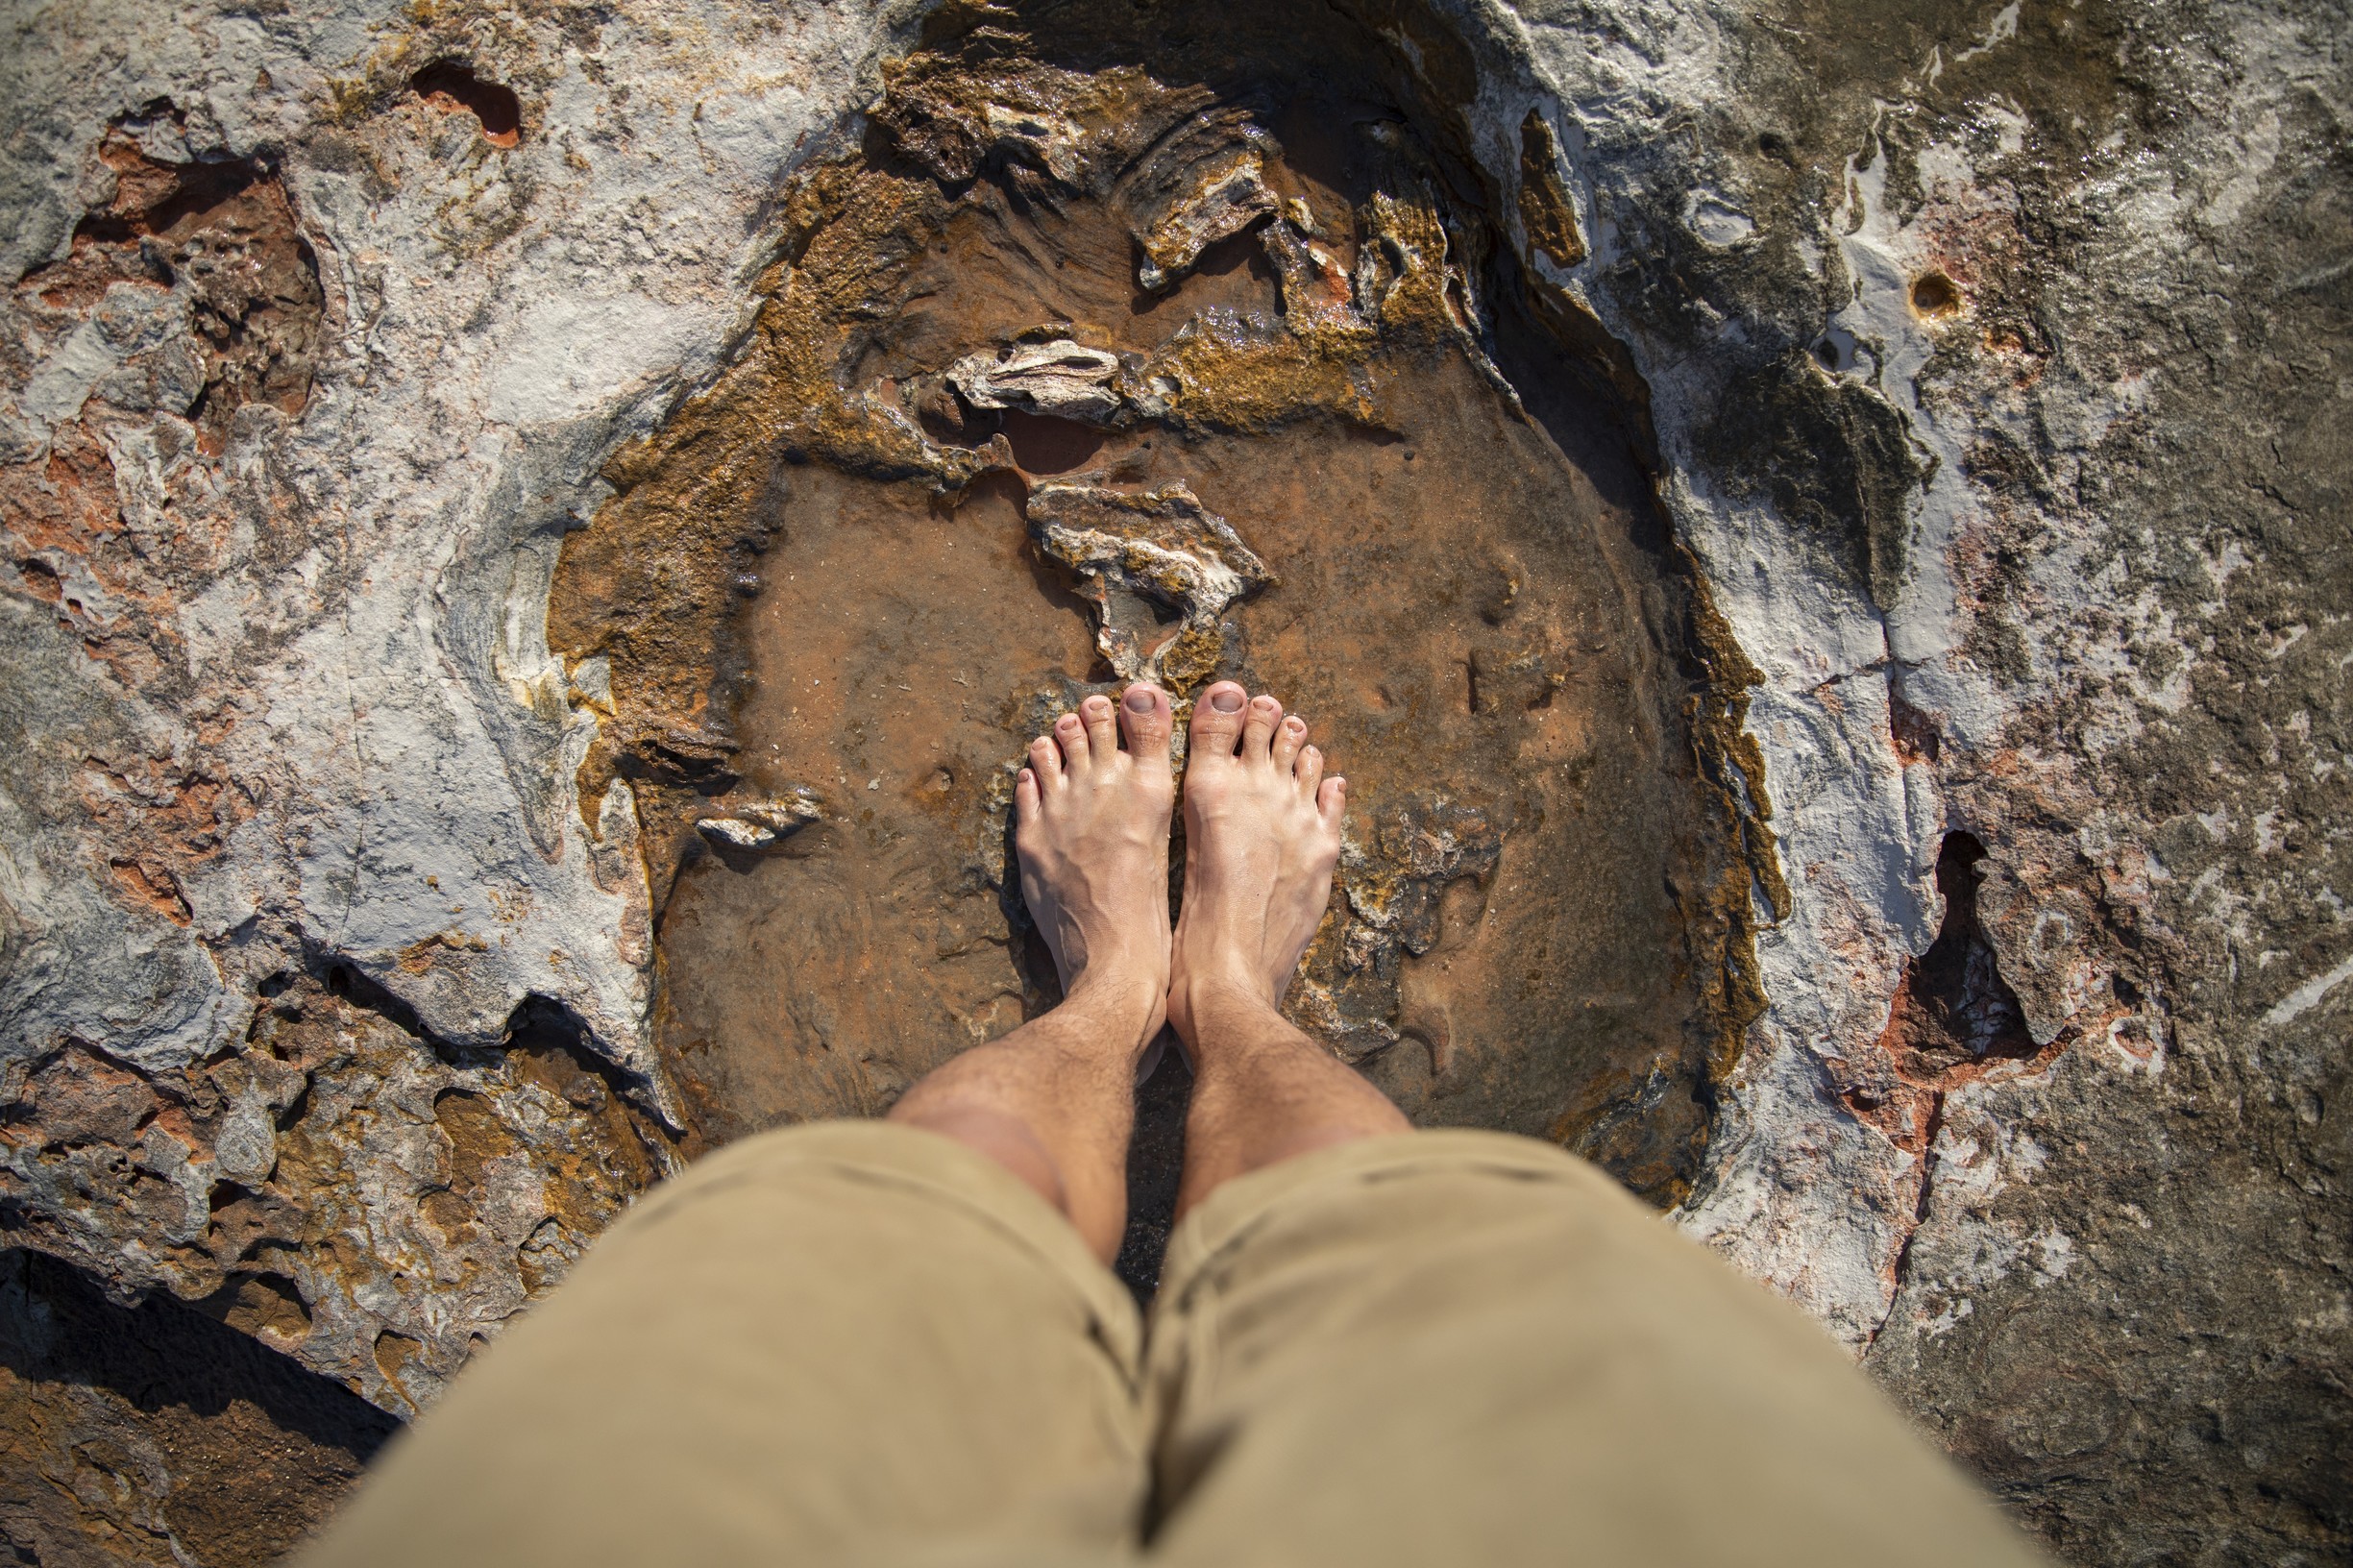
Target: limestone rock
{"x": 1987, "y": 369}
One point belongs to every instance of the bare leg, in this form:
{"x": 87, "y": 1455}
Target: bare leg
{"x": 1054, "y": 1101}
{"x": 1261, "y": 836}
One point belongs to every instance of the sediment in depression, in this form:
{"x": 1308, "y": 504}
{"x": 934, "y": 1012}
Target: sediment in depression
{"x": 1099, "y": 350}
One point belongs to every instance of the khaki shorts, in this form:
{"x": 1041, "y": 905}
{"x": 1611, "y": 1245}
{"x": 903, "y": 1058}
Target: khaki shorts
{"x": 857, "y": 1342}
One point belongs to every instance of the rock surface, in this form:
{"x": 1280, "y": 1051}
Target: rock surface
{"x": 159, "y": 1435}
{"x": 1989, "y": 365}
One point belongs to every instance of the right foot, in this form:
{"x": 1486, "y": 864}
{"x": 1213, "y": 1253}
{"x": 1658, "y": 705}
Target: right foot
{"x": 1261, "y": 837}
{"x": 1091, "y": 826}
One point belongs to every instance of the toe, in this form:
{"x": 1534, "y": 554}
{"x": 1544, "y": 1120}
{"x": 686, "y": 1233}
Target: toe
{"x": 1025, "y": 797}
{"x": 1070, "y": 735}
{"x": 1259, "y": 726}
{"x": 1045, "y": 764}
{"x": 1309, "y": 770}
{"x": 1217, "y": 722}
{"x": 1145, "y": 715}
{"x": 1289, "y": 736}
{"x": 1331, "y": 801}
{"x": 1102, "y": 725}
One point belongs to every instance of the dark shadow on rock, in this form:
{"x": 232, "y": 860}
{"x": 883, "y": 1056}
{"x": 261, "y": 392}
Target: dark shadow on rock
{"x": 165, "y": 1353}
{"x": 157, "y": 1426}
{"x": 1155, "y": 1164}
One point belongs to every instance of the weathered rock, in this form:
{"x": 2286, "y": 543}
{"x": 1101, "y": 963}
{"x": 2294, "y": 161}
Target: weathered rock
{"x": 159, "y": 1435}
{"x": 1135, "y": 550}
{"x": 1060, "y": 378}
{"x": 759, "y": 824}
{"x": 1201, "y": 182}
{"x": 1988, "y": 366}
{"x": 378, "y": 1201}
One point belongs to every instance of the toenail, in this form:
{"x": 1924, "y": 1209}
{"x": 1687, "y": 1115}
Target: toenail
{"x": 1138, "y": 700}
{"x": 1096, "y": 704}
{"x": 1226, "y": 701}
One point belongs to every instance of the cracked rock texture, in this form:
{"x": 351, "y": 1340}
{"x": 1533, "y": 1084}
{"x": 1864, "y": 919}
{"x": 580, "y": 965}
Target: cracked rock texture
{"x": 1988, "y": 361}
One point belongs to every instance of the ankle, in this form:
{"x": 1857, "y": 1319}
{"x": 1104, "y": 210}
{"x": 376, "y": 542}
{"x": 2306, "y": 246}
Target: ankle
{"x": 1217, "y": 1000}
{"x": 1123, "y": 993}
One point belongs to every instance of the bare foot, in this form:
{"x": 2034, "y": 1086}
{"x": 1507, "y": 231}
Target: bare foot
{"x": 1261, "y": 836}
{"x": 1091, "y": 824}
{"x": 1053, "y": 1102}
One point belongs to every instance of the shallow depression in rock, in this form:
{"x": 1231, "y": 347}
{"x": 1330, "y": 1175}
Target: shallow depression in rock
{"x": 1104, "y": 356}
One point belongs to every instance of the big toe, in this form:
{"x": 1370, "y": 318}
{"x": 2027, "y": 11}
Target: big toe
{"x": 1217, "y": 722}
{"x": 1145, "y": 715}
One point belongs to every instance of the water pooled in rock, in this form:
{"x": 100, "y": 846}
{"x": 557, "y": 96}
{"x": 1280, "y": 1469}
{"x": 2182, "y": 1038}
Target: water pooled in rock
{"x": 1104, "y": 356}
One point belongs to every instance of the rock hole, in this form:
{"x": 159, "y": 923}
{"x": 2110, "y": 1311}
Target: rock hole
{"x": 1933, "y": 294}
{"x": 393, "y": 1353}
{"x": 220, "y": 232}
{"x": 1917, "y": 735}
{"x": 1837, "y": 351}
{"x": 1955, "y": 1014}
{"x": 450, "y": 85}
{"x": 41, "y": 579}
{"x": 296, "y": 1109}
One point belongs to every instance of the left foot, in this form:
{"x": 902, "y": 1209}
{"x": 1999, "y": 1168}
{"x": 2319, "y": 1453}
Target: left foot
{"x": 1091, "y": 826}
{"x": 1261, "y": 837}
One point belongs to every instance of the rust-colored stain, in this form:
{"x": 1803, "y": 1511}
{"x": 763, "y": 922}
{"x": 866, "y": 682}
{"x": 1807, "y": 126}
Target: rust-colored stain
{"x": 196, "y": 277}
{"x": 1104, "y": 355}
{"x": 1953, "y": 1020}
{"x": 1546, "y": 206}
{"x": 225, "y": 229}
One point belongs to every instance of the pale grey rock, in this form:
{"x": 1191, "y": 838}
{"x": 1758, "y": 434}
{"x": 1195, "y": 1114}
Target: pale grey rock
{"x": 1061, "y": 379}
{"x": 735, "y": 835}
